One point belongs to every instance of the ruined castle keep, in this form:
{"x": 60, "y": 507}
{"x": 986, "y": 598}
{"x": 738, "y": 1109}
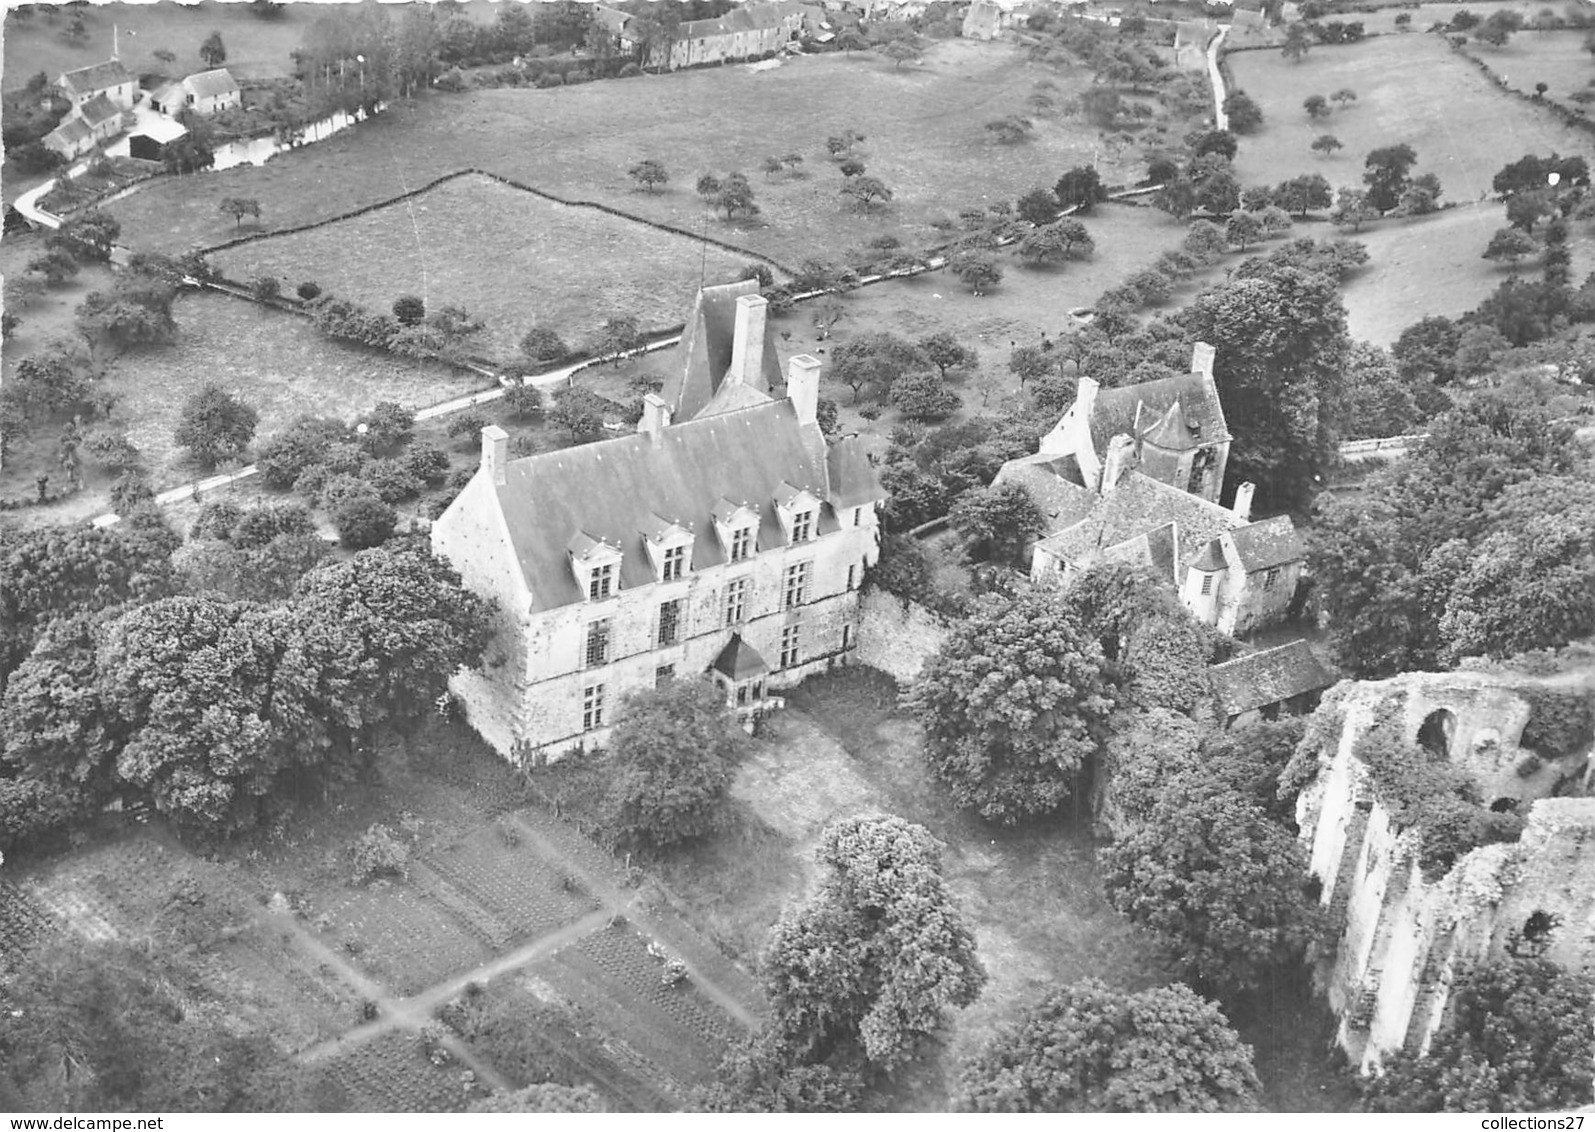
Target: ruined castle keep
{"x": 1450, "y": 819}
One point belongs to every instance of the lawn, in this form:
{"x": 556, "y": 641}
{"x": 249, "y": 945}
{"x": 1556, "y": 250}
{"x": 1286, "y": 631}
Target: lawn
{"x": 571, "y": 268}
{"x": 1410, "y": 88}
{"x": 924, "y": 127}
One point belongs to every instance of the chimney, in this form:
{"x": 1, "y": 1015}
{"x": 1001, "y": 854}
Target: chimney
{"x": 1243, "y": 502}
{"x": 747, "y": 341}
{"x": 803, "y": 385}
{"x": 655, "y": 417}
{"x": 1085, "y": 396}
{"x": 1121, "y": 458}
{"x": 495, "y": 453}
{"x": 1202, "y": 359}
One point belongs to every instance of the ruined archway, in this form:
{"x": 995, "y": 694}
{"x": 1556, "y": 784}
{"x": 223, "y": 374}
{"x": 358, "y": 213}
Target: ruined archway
{"x": 1439, "y": 727}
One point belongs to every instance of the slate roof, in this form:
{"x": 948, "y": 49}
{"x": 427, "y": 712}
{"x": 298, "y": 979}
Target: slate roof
{"x": 99, "y": 110}
{"x": 101, "y": 76}
{"x": 1268, "y": 677}
{"x": 1115, "y": 410}
{"x": 167, "y": 93}
{"x": 1137, "y": 505}
{"x": 613, "y": 19}
{"x": 1211, "y": 558}
{"x": 698, "y": 365}
{"x": 1272, "y": 542}
{"x": 212, "y": 84}
{"x": 70, "y": 132}
{"x": 1056, "y": 485}
{"x": 612, "y": 490}
{"x": 740, "y": 660}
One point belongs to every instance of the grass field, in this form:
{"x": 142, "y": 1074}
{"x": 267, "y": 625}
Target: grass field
{"x": 1410, "y": 88}
{"x": 1556, "y": 58}
{"x": 568, "y": 267}
{"x": 924, "y": 128}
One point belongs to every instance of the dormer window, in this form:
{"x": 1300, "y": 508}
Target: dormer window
{"x": 595, "y": 565}
{"x": 675, "y": 564}
{"x": 802, "y": 526}
{"x": 601, "y": 582}
{"x": 741, "y": 543}
{"x": 797, "y": 508}
{"x": 670, "y": 546}
{"x": 737, "y": 524}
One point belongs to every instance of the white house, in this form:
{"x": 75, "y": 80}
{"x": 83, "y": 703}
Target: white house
{"x": 95, "y": 121}
{"x": 206, "y": 93}
{"x": 109, "y": 78}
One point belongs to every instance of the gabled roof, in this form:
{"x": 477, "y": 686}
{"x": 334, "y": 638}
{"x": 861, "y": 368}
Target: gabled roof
{"x": 697, "y": 367}
{"x": 1272, "y": 542}
{"x": 160, "y": 129}
{"x": 70, "y": 132}
{"x": 167, "y": 92}
{"x": 101, "y": 76}
{"x": 1116, "y": 410}
{"x": 740, "y": 660}
{"x": 1268, "y": 677}
{"x": 612, "y": 490}
{"x": 1138, "y": 505}
{"x": 1055, "y": 484}
{"x": 99, "y": 110}
{"x": 852, "y": 476}
{"x": 211, "y": 84}
{"x": 613, "y": 19}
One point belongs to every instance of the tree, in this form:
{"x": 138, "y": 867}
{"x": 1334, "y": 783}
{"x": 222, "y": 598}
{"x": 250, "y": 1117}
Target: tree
{"x": 841, "y": 145}
{"x": 998, "y": 522}
{"x": 1326, "y": 144}
{"x": 138, "y": 312}
{"x": 1300, "y": 195}
{"x": 1080, "y": 188}
{"x": 1378, "y": 400}
{"x": 1297, "y": 43}
{"x": 363, "y": 521}
{"x": 649, "y": 173}
{"x": 619, "y": 336}
{"x": 387, "y": 427}
{"x": 579, "y": 412}
{"x": 213, "y": 50}
{"x": 865, "y": 191}
{"x": 1221, "y": 142}
{"x": 1057, "y": 242}
{"x": 1352, "y": 209}
{"x": 1499, "y": 28}
{"x": 923, "y": 396}
{"x": 1014, "y": 703}
{"x": 215, "y": 426}
{"x": 1524, "y": 209}
{"x": 57, "y": 265}
{"x": 1316, "y": 106}
{"x": 240, "y": 207}
{"x": 1511, "y": 245}
{"x": 864, "y": 970}
{"x": 901, "y": 51}
{"x": 1386, "y": 175}
{"x": 735, "y": 194}
{"x": 89, "y": 236}
{"x": 670, "y": 761}
{"x": 410, "y": 310}
{"x": 1243, "y": 228}
{"x": 874, "y": 357}
{"x": 1245, "y": 116}
{"x": 1514, "y": 1038}
{"x": 976, "y": 270}
{"x": 945, "y": 352}
{"x": 188, "y": 154}
{"x": 1345, "y": 96}
{"x": 1039, "y": 207}
{"x": 1218, "y": 881}
{"x": 543, "y": 346}
{"x": 1421, "y": 197}
{"x": 1088, "y": 1048}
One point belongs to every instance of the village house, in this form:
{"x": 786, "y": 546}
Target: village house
{"x": 90, "y": 123}
{"x": 205, "y": 93}
{"x": 1133, "y": 475}
{"x": 732, "y": 540}
{"x": 749, "y": 31}
{"x": 109, "y": 78}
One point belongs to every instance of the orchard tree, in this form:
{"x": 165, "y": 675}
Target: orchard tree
{"x": 619, "y": 336}
{"x": 1386, "y": 175}
{"x": 1353, "y": 209}
{"x": 866, "y": 191}
{"x": 945, "y": 352}
{"x": 215, "y": 426}
{"x": 1089, "y": 1048}
{"x": 1038, "y": 207}
{"x": 410, "y": 310}
{"x": 1057, "y": 242}
{"x": 998, "y": 522}
{"x": 875, "y": 357}
{"x": 1344, "y": 97}
{"x": 213, "y": 50}
{"x": 923, "y": 396}
{"x": 240, "y": 207}
{"x": 1317, "y": 106}
{"x": 901, "y": 51}
{"x": 543, "y": 346}
{"x": 89, "y": 236}
{"x": 1014, "y": 703}
{"x": 864, "y": 971}
{"x": 1243, "y": 229}
{"x": 1080, "y": 188}
{"x": 649, "y": 173}
{"x": 1300, "y": 195}
{"x": 975, "y": 269}
{"x": 669, "y": 762}
{"x": 579, "y": 412}
{"x": 1511, "y": 245}
{"x": 1245, "y": 116}
{"x": 1298, "y": 42}
{"x": 1326, "y": 144}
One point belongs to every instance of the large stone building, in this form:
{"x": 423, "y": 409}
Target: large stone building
{"x": 732, "y": 541}
{"x": 748, "y": 31}
{"x": 1133, "y": 475}
{"x": 1523, "y": 743}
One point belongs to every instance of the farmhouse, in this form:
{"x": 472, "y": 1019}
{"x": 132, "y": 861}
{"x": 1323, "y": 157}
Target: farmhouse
{"x": 109, "y": 78}
{"x": 733, "y": 541}
{"x": 745, "y": 32}
{"x": 207, "y": 92}
{"x": 1133, "y": 475}
{"x": 89, "y": 123}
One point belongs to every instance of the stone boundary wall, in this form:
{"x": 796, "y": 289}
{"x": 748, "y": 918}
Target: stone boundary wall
{"x": 896, "y": 635}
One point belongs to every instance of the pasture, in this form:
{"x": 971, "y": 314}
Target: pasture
{"x": 1410, "y": 88}
{"x": 509, "y": 257}
{"x": 1555, "y": 58}
{"x": 924, "y": 129}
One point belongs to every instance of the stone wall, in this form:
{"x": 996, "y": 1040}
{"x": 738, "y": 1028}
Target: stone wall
{"x": 895, "y": 635}
{"x": 1403, "y": 937}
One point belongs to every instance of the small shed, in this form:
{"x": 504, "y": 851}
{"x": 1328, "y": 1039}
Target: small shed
{"x": 1286, "y": 680}
{"x": 152, "y": 138}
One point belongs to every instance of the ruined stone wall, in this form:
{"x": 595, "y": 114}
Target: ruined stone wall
{"x": 897, "y": 636}
{"x": 1403, "y": 936}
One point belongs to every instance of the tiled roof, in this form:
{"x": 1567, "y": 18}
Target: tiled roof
{"x": 1115, "y": 410}
{"x": 1272, "y": 542}
{"x": 1140, "y": 504}
{"x": 99, "y": 110}
{"x": 740, "y": 660}
{"x": 613, "y": 489}
{"x": 211, "y": 84}
{"x": 1164, "y": 546}
{"x": 699, "y": 362}
{"x": 1268, "y": 677}
{"x": 101, "y": 76}
{"x": 167, "y": 93}
{"x": 1211, "y": 558}
{"x": 1056, "y": 486}
{"x": 613, "y": 19}
{"x": 70, "y": 132}
{"x": 1171, "y": 430}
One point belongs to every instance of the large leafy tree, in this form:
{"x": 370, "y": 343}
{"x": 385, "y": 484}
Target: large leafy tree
{"x": 1089, "y": 1048}
{"x": 1516, "y": 1038}
{"x": 999, "y": 522}
{"x": 671, "y": 758}
{"x": 1280, "y": 336}
{"x": 1013, "y": 704}
{"x": 1222, "y": 884}
{"x": 215, "y": 425}
{"x": 863, "y": 971}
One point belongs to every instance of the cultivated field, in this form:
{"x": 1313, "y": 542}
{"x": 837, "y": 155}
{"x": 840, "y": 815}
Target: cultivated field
{"x": 1410, "y": 88}
{"x": 924, "y": 128}
{"x": 509, "y": 257}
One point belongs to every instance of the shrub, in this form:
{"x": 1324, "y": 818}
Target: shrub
{"x": 388, "y": 426}
{"x": 451, "y": 81}
{"x": 257, "y": 527}
{"x": 379, "y": 853}
{"x": 364, "y": 521}
{"x": 284, "y": 457}
{"x": 468, "y": 424}
{"x": 550, "y": 79}
{"x": 427, "y": 462}
{"x": 113, "y": 449}
{"x": 630, "y": 71}
{"x": 410, "y": 310}
{"x": 393, "y": 480}
{"x": 308, "y": 290}
{"x": 266, "y": 287}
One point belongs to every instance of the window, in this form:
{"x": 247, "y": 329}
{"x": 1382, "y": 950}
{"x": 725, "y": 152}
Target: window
{"x": 592, "y": 707}
{"x": 741, "y": 543}
{"x": 851, "y": 572}
{"x": 789, "y": 646}
{"x": 797, "y": 585}
{"x": 1270, "y": 578}
{"x": 1207, "y": 584}
{"x": 802, "y": 526}
{"x": 597, "y": 644}
{"x": 669, "y": 622}
{"x": 675, "y": 564}
{"x": 742, "y": 695}
{"x": 663, "y": 673}
{"x": 858, "y": 516}
{"x": 847, "y": 637}
{"x": 736, "y": 600}
{"x": 602, "y": 582}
